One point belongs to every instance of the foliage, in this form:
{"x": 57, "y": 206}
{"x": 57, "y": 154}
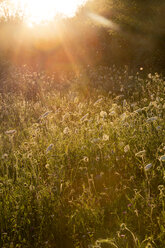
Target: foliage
{"x": 140, "y": 36}
{"x": 137, "y": 41}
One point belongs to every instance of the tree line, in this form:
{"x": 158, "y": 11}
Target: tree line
{"x": 120, "y": 32}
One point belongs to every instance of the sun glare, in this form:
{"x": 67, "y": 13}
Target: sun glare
{"x": 38, "y": 11}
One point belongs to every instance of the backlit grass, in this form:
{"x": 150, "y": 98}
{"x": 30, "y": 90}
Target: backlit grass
{"x": 82, "y": 161}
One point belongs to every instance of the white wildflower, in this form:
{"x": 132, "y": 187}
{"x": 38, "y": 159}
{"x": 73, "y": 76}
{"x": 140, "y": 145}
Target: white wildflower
{"x": 150, "y": 75}
{"x": 103, "y": 114}
{"x": 66, "y": 130}
{"x": 85, "y": 159}
{"x": 4, "y": 156}
{"x": 105, "y": 137}
{"x": 47, "y": 166}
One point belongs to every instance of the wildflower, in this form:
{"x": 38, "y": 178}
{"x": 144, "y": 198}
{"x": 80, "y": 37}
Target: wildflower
{"x": 86, "y": 159}
{"x": 154, "y": 118}
{"x": 157, "y": 75}
{"x": 103, "y": 114}
{"x": 84, "y": 117}
{"x": 105, "y": 137}
{"x": 161, "y": 188}
{"x": 49, "y": 148}
{"x": 140, "y": 154}
{"x": 147, "y": 167}
{"x": 45, "y": 115}
{"x": 162, "y": 158}
{"x": 150, "y": 75}
{"x": 126, "y": 148}
{"x": 11, "y": 132}
{"x": 47, "y": 166}
{"x": 66, "y": 130}
{"x": 4, "y": 156}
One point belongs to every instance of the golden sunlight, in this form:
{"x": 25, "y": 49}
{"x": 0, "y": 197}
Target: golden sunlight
{"x": 39, "y": 11}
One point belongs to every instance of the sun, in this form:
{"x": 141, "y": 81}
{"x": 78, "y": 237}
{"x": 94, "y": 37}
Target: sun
{"x": 40, "y": 11}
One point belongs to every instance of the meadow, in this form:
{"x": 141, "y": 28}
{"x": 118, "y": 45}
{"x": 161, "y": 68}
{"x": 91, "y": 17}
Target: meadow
{"x": 82, "y": 159}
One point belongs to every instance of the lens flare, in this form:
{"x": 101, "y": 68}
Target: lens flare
{"x": 39, "y": 11}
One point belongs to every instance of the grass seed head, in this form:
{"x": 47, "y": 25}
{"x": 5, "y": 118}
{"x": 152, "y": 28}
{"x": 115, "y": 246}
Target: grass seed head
{"x": 11, "y": 132}
{"x": 148, "y": 167}
{"x": 49, "y": 148}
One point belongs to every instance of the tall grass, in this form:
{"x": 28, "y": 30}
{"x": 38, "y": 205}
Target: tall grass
{"x": 82, "y": 161}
